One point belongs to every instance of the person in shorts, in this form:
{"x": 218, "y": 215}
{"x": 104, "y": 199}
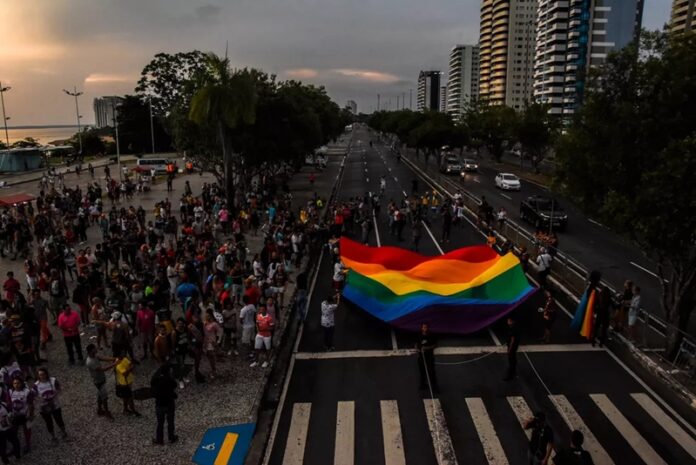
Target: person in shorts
{"x": 264, "y": 331}
{"x": 96, "y": 371}
{"x": 123, "y": 369}
{"x": 247, "y": 318}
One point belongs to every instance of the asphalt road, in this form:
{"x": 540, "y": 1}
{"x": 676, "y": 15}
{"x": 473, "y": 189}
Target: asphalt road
{"x": 361, "y": 404}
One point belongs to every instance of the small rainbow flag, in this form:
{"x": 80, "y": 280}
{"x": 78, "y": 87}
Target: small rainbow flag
{"x": 583, "y": 320}
{"x": 462, "y": 291}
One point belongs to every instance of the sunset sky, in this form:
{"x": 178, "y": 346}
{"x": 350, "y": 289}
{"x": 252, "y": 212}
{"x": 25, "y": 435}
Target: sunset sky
{"x": 354, "y": 49}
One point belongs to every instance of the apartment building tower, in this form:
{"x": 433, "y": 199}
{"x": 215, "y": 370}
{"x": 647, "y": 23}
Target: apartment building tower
{"x": 683, "y": 18}
{"x": 428, "y": 97}
{"x": 574, "y": 36}
{"x": 463, "y": 80}
{"x": 507, "y": 51}
{"x": 106, "y": 110}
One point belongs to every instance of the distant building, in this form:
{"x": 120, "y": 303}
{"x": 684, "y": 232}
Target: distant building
{"x": 683, "y": 17}
{"x": 463, "y": 81}
{"x": 428, "y": 97}
{"x": 507, "y": 51}
{"x": 443, "y": 99}
{"x": 574, "y": 36}
{"x": 352, "y": 106}
{"x": 105, "y": 110}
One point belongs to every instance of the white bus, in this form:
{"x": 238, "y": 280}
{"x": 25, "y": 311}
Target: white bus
{"x": 158, "y": 164}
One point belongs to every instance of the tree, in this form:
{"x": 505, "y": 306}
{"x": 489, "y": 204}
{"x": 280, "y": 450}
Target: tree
{"x": 2, "y": 145}
{"x": 135, "y": 130}
{"x": 225, "y": 101}
{"x": 495, "y": 128}
{"x": 92, "y": 142}
{"x": 629, "y": 156}
{"x": 168, "y": 79}
{"x": 27, "y": 142}
{"x": 536, "y": 131}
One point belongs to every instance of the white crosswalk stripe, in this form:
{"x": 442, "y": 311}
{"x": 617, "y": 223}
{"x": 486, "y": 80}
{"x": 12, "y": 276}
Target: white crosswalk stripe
{"x": 485, "y": 429}
{"x": 391, "y": 432}
{"x": 344, "y": 452}
{"x": 297, "y": 436}
{"x": 680, "y": 436}
{"x": 571, "y": 417}
{"x": 632, "y": 436}
{"x": 442, "y": 441}
{"x": 486, "y": 432}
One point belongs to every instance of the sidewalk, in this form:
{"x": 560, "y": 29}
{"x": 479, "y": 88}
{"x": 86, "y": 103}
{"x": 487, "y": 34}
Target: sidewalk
{"x": 32, "y": 176}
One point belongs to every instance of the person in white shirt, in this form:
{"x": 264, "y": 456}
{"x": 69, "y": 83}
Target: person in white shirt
{"x": 339, "y": 275}
{"x": 247, "y": 318}
{"x": 220, "y": 262}
{"x": 328, "y": 319}
{"x": 544, "y": 265}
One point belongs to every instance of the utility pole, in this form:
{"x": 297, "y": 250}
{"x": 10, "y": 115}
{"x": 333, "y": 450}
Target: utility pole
{"x": 377, "y": 102}
{"x": 76, "y": 94}
{"x": 397, "y": 103}
{"x": 4, "y": 117}
{"x": 114, "y": 121}
{"x": 410, "y": 99}
{"x": 403, "y": 100}
{"x": 152, "y": 127}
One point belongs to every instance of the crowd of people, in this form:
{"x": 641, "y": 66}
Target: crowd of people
{"x": 180, "y": 287}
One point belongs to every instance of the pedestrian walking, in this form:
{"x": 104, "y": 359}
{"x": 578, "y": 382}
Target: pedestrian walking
{"x": 575, "y": 454}
{"x": 247, "y": 318}
{"x": 8, "y": 433}
{"x": 97, "y": 372}
{"x": 540, "y": 441}
{"x": 47, "y": 389}
{"x": 513, "y": 343}
{"x": 264, "y": 330}
{"x": 69, "y": 324}
{"x": 328, "y": 319}
{"x": 163, "y": 388}
{"x": 624, "y": 304}
{"x": 22, "y": 402}
{"x": 426, "y": 359}
{"x": 543, "y": 262}
{"x": 633, "y": 311}
{"x": 602, "y": 316}
{"x": 123, "y": 370}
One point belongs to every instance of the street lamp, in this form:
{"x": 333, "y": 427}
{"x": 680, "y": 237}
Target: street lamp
{"x": 114, "y": 121}
{"x": 76, "y": 94}
{"x": 4, "y": 117}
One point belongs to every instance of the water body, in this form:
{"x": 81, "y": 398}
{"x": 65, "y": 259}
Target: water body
{"x": 44, "y": 134}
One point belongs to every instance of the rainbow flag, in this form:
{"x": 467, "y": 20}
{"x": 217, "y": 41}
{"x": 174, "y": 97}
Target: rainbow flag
{"x": 583, "y": 320}
{"x": 462, "y": 291}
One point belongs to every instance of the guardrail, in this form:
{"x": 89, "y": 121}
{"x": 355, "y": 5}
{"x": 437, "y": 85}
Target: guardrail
{"x": 650, "y": 336}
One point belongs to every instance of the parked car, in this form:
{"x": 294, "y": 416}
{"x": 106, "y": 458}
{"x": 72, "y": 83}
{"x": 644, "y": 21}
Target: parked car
{"x": 451, "y": 165}
{"x": 543, "y": 212}
{"x": 469, "y": 165}
{"x": 507, "y": 182}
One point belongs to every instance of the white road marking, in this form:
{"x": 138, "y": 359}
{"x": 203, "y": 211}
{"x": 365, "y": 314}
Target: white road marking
{"x": 395, "y": 345}
{"x": 439, "y": 432}
{"x": 646, "y": 270}
{"x": 471, "y": 350}
{"x": 496, "y": 341}
{"x": 506, "y": 196}
{"x": 476, "y": 180}
{"x": 405, "y": 194}
{"x": 630, "y": 434}
{"x": 522, "y": 412}
{"x": 573, "y": 420}
{"x": 391, "y": 433}
{"x": 344, "y": 452}
{"x": 430, "y": 233}
{"x": 486, "y": 432}
{"x": 680, "y": 436}
{"x": 297, "y": 434}
{"x": 595, "y": 222}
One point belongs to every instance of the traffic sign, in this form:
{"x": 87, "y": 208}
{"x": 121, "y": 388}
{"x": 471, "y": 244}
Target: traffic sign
{"x": 226, "y": 445}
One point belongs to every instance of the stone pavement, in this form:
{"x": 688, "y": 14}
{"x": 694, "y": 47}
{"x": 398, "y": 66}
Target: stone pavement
{"x": 230, "y": 398}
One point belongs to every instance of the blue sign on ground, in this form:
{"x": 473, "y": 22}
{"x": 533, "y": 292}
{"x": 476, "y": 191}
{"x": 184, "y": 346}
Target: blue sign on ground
{"x": 226, "y": 445}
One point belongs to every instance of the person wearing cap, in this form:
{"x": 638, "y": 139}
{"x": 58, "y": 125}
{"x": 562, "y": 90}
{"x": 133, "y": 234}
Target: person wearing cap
{"x": 540, "y": 441}
{"x": 69, "y": 324}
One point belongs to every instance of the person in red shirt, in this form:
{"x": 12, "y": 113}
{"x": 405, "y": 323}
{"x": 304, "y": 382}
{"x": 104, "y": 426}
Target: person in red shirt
{"x": 252, "y": 292}
{"x": 69, "y": 324}
{"x": 11, "y": 287}
{"x": 145, "y": 323}
{"x": 264, "y": 331}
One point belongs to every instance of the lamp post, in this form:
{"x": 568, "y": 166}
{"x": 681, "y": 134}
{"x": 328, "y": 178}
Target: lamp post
{"x": 76, "y": 94}
{"x": 152, "y": 126}
{"x": 4, "y": 117}
{"x": 114, "y": 121}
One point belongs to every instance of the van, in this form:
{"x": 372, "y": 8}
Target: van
{"x": 158, "y": 164}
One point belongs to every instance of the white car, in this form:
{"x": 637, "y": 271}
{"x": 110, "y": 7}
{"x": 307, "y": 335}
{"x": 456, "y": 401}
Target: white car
{"x": 507, "y": 181}
{"x": 469, "y": 165}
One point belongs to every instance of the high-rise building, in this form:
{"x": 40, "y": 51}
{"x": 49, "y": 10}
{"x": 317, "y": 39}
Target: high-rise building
{"x": 463, "y": 81}
{"x": 506, "y": 51}
{"x": 105, "y": 110}
{"x": 428, "y": 97}
{"x": 352, "y": 106}
{"x": 443, "y": 99}
{"x": 683, "y": 17}
{"x": 572, "y": 37}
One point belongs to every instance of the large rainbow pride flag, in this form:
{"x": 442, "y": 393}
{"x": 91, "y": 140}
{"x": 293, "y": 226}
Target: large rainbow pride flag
{"x": 462, "y": 291}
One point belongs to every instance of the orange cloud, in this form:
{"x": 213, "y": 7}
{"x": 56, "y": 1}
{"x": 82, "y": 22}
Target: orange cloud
{"x": 302, "y": 73}
{"x": 366, "y": 75}
{"x": 97, "y": 78}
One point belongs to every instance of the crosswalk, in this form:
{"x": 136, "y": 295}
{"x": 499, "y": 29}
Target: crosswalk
{"x": 612, "y": 436}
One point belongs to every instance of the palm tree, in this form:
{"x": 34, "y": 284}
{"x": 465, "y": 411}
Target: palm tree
{"x": 226, "y": 100}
